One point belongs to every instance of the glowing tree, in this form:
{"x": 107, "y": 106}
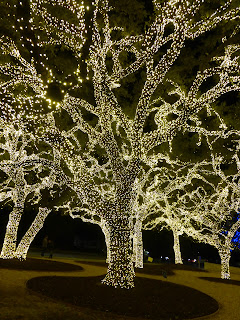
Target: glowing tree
{"x": 24, "y": 174}
{"x": 99, "y": 125}
{"x": 201, "y": 201}
{"x": 166, "y": 192}
{"x": 24, "y": 101}
{"x": 217, "y": 224}
{"x": 123, "y": 140}
{"x": 216, "y": 213}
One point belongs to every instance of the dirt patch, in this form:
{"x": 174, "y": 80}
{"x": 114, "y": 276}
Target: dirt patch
{"x": 150, "y": 299}
{"x": 38, "y": 265}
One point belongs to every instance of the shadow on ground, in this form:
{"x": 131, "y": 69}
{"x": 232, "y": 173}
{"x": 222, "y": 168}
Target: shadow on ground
{"x": 38, "y": 265}
{"x": 154, "y": 269}
{"x": 212, "y": 279}
{"x": 150, "y": 299}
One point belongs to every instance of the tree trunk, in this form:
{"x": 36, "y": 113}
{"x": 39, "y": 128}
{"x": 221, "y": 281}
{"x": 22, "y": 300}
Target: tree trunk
{"x": 106, "y": 232}
{"x": 138, "y": 245}
{"x": 120, "y": 269}
{"x": 10, "y": 240}
{"x": 23, "y": 247}
{"x": 176, "y": 248}
{"x": 225, "y": 255}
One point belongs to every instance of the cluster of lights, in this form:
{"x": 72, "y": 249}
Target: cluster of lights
{"x": 24, "y": 74}
{"x": 206, "y": 213}
{"x": 110, "y": 190}
{"x": 16, "y": 188}
{"x": 37, "y": 224}
{"x": 215, "y": 213}
{"x": 163, "y": 196}
{"x": 59, "y": 31}
{"x": 49, "y": 30}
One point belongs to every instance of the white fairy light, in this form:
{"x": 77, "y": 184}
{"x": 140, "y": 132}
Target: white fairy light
{"x": 16, "y": 189}
{"x": 205, "y": 213}
{"x": 23, "y": 246}
{"x": 161, "y": 200}
{"x": 107, "y": 183}
{"x": 58, "y": 30}
{"x": 214, "y": 213}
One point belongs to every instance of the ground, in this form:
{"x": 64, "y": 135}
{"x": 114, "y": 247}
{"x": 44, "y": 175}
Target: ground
{"x": 35, "y": 299}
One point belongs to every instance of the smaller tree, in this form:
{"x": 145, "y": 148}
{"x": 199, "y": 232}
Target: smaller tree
{"x": 25, "y": 173}
{"x": 217, "y": 223}
{"x": 166, "y": 192}
{"x": 213, "y": 208}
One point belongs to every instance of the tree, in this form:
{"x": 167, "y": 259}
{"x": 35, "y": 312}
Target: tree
{"x": 106, "y": 132}
{"x": 27, "y": 165}
{"x": 166, "y": 192}
{"x": 200, "y": 200}
{"x": 24, "y": 175}
{"x": 216, "y": 213}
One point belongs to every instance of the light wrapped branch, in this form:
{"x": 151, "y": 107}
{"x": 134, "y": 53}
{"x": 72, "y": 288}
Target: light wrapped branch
{"x": 59, "y": 30}
{"x": 166, "y": 193}
{"x": 16, "y": 188}
{"x": 217, "y": 214}
{"x": 107, "y": 171}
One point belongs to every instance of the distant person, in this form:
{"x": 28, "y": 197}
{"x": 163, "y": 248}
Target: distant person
{"x": 50, "y": 248}
{"x": 199, "y": 261}
{"x": 44, "y": 245}
{"x": 145, "y": 255}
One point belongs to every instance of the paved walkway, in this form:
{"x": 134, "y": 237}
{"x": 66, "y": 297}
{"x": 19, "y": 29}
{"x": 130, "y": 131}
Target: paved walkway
{"x": 17, "y": 304}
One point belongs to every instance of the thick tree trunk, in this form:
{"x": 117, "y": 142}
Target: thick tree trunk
{"x": 176, "y": 248}
{"x": 10, "y": 240}
{"x": 120, "y": 273}
{"x": 138, "y": 245}
{"x": 120, "y": 269}
{"x": 106, "y": 232}
{"x": 225, "y": 255}
{"x": 23, "y": 247}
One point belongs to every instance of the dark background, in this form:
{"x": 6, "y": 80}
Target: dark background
{"x": 73, "y": 234}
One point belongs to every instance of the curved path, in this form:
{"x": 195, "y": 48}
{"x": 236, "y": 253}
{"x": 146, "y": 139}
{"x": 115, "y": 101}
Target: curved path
{"x": 17, "y": 303}
{"x": 227, "y": 295}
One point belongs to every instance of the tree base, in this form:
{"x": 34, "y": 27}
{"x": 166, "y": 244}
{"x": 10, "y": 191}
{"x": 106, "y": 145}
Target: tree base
{"x": 7, "y": 256}
{"x": 21, "y": 256}
{"x": 117, "y": 281}
{"x": 226, "y": 276}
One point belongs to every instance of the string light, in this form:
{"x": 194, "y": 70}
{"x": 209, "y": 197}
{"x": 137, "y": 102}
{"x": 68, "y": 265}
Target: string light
{"x": 107, "y": 182}
{"x": 23, "y": 246}
{"x": 217, "y": 213}
{"x": 199, "y": 200}
{"x": 165, "y": 194}
{"x": 16, "y": 188}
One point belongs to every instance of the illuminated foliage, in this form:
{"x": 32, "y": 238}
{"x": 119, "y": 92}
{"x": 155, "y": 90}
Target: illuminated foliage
{"x": 106, "y": 134}
{"x": 200, "y": 200}
{"x": 215, "y": 210}
{"x": 24, "y": 174}
{"x": 166, "y": 191}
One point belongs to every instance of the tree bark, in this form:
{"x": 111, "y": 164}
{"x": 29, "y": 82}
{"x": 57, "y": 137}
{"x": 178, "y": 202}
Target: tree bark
{"x": 23, "y": 247}
{"x": 120, "y": 269}
{"x": 225, "y": 255}
{"x": 10, "y": 239}
{"x": 176, "y": 248}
